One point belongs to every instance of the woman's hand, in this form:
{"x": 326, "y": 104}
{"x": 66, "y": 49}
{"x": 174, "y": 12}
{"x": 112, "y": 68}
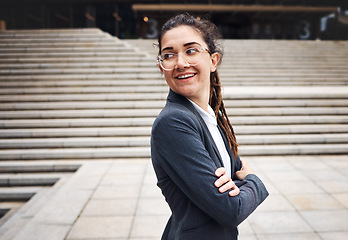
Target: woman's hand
{"x": 225, "y": 183}
{"x": 246, "y": 169}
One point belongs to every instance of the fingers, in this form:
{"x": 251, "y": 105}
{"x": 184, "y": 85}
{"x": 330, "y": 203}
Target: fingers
{"x": 222, "y": 180}
{"x": 220, "y": 171}
{"x": 234, "y": 192}
{"x": 225, "y": 183}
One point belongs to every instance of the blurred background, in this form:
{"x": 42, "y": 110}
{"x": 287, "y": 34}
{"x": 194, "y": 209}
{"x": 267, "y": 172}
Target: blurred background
{"x": 237, "y": 19}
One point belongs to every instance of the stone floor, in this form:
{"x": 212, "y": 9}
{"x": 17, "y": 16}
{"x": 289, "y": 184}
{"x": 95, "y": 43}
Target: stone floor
{"x": 119, "y": 199}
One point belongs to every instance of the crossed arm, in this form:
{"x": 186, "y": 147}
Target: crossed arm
{"x": 177, "y": 148}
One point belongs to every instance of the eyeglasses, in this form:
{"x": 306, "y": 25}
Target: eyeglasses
{"x": 168, "y": 60}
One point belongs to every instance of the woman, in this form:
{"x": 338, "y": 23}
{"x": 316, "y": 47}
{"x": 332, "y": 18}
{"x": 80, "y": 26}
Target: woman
{"x": 193, "y": 146}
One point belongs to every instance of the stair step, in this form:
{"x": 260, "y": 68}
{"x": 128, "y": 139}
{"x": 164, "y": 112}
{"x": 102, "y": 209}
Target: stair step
{"x": 159, "y": 104}
{"x": 75, "y": 153}
{"x": 37, "y": 167}
{"x": 92, "y": 122}
{"x": 18, "y": 193}
{"x": 303, "y": 149}
{"x": 83, "y": 97}
{"x": 113, "y": 113}
{"x": 148, "y": 121}
{"x": 75, "y": 142}
{"x": 97, "y": 142}
{"x": 70, "y": 54}
{"x": 144, "y": 152}
{"x": 14, "y": 180}
{"x": 145, "y": 131}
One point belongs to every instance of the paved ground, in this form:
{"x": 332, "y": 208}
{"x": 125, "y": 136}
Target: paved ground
{"x": 119, "y": 199}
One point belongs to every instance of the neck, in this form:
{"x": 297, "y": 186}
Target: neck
{"x": 202, "y": 102}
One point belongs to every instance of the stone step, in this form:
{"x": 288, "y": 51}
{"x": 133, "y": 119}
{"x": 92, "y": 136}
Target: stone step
{"x": 303, "y": 149}
{"x": 160, "y": 104}
{"x": 42, "y": 39}
{"x": 75, "y": 153}
{"x": 154, "y": 69}
{"x": 237, "y": 63}
{"x": 95, "y": 122}
{"x": 35, "y": 50}
{"x": 70, "y": 54}
{"x": 144, "y": 152}
{"x": 97, "y": 142}
{"x": 113, "y": 113}
{"x": 32, "y": 179}
{"x": 9, "y": 167}
{"x": 120, "y": 59}
{"x": 18, "y": 193}
{"x": 137, "y": 122}
{"x": 148, "y": 62}
{"x": 64, "y": 45}
{"x": 156, "y": 76}
{"x": 43, "y": 65}
{"x": 146, "y": 131}
{"x": 82, "y": 97}
{"x": 131, "y": 90}
{"x": 160, "y": 82}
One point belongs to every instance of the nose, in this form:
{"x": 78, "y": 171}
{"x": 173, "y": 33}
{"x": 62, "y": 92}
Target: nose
{"x": 181, "y": 63}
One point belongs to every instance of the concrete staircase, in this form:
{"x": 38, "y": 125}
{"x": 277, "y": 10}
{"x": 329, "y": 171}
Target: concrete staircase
{"x": 82, "y": 94}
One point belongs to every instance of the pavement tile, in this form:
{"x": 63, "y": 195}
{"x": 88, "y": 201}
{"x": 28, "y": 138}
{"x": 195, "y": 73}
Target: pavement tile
{"x": 324, "y": 175}
{"x": 334, "y": 235}
{"x": 149, "y": 226}
{"x": 291, "y": 236}
{"x": 245, "y": 228}
{"x": 275, "y": 202}
{"x": 308, "y": 163}
{"x": 278, "y": 222}
{"x": 342, "y": 198}
{"x": 52, "y": 232}
{"x": 123, "y": 191}
{"x": 122, "y": 179}
{"x": 247, "y": 237}
{"x": 271, "y": 188}
{"x": 297, "y": 187}
{"x": 288, "y": 174}
{"x": 308, "y": 202}
{"x": 151, "y": 191}
{"x": 113, "y": 227}
{"x": 128, "y": 167}
{"x": 152, "y": 206}
{"x": 327, "y": 221}
{"x": 334, "y": 186}
{"x": 110, "y": 207}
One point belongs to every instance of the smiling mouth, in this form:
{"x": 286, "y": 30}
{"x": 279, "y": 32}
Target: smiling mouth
{"x": 185, "y": 76}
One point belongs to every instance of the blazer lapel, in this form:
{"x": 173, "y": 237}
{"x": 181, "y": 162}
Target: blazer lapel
{"x": 174, "y": 97}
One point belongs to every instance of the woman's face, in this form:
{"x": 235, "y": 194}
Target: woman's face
{"x": 193, "y": 82}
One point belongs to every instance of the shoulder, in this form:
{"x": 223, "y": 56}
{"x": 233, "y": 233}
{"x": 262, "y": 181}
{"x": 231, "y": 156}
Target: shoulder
{"x": 174, "y": 115}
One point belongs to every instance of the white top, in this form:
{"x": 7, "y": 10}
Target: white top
{"x": 211, "y": 122}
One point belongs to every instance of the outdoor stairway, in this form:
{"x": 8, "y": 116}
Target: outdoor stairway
{"x": 82, "y": 94}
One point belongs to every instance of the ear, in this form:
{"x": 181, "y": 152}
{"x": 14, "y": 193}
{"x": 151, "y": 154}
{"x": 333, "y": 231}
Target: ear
{"x": 215, "y": 58}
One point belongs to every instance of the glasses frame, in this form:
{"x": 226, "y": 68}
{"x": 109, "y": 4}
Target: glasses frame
{"x": 160, "y": 60}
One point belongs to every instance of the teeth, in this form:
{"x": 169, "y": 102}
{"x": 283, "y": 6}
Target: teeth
{"x": 185, "y": 76}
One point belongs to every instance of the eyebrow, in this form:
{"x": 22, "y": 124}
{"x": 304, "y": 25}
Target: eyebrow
{"x": 185, "y": 45}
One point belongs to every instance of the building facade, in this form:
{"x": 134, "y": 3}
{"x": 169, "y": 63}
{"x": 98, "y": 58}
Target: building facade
{"x": 239, "y": 19}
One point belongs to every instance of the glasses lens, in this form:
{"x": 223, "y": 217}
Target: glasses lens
{"x": 191, "y": 56}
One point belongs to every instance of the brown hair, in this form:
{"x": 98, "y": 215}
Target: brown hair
{"x": 211, "y": 35}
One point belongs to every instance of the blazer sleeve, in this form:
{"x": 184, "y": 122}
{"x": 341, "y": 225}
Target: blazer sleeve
{"x": 178, "y": 148}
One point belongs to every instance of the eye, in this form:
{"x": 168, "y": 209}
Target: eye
{"x": 191, "y": 51}
{"x": 167, "y": 56}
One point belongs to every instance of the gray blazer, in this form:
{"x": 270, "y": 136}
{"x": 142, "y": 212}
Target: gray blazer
{"x": 185, "y": 157}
